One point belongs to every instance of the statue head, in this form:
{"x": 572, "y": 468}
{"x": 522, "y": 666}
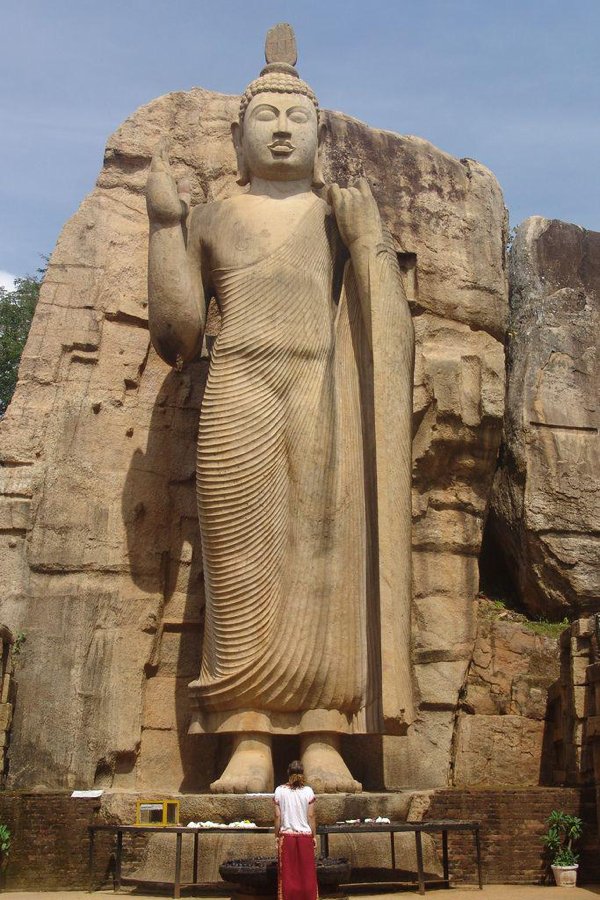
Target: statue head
{"x": 277, "y": 136}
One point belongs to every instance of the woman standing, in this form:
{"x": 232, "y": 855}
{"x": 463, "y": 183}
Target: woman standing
{"x": 295, "y": 830}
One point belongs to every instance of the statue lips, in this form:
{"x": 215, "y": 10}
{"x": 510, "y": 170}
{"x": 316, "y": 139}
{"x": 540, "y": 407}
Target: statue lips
{"x": 281, "y": 148}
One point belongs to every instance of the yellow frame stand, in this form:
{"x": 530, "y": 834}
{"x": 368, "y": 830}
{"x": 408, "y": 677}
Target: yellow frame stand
{"x": 169, "y": 813}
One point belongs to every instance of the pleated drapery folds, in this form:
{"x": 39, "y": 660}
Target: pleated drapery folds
{"x": 287, "y": 499}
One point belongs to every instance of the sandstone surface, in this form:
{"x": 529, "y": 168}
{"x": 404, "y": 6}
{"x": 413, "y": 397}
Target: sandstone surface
{"x": 102, "y": 566}
{"x": 498, "y": 750}
{"x": 545, "y": 509}
{"x": 502, "y": 734}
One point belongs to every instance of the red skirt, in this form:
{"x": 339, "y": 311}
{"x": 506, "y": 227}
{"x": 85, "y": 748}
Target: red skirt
{"x": 296, "y": 870}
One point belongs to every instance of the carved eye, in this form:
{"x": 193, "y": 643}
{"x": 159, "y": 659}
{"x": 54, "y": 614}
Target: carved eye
{"x": 265, "y": 114}
{"x": 298, "y": 115}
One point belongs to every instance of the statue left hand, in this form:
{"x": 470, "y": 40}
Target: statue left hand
{"x": 356, "y": 214}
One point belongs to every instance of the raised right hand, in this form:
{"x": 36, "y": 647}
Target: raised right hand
{"x": 167, "y": 201}
{"x": 356, "y": 214}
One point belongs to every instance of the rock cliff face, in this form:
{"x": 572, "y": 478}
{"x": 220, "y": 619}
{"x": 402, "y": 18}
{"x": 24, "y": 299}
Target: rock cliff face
{"x": 546, "y": 502}
{"x": 99, "y": 536}
{"x": 502, "y": 736}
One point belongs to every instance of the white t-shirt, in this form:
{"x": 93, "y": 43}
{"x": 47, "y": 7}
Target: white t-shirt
{"x": 293, "y": 806}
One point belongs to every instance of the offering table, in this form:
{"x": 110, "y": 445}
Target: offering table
{"x": 324, "y": 831}
{"x": 419, "y": 828}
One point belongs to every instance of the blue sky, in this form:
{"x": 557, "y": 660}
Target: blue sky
{"x": 512, "y": 83}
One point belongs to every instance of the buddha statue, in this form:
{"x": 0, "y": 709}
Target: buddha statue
{"x": 304, "y": 446}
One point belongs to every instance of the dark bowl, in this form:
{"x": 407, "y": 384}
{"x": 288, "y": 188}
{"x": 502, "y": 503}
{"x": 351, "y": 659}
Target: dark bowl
{"x": 260, "y": 872}
{"x": 256, "y": 872}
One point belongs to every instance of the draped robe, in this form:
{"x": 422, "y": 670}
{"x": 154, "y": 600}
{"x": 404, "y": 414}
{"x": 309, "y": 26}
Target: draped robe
{"x": 287, "y": 498}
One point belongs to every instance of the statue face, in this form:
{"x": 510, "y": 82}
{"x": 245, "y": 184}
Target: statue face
{"x": 279, "y": 137}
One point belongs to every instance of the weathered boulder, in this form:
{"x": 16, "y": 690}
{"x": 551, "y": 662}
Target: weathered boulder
{"x": 514, "y": 663}
{"x": 498, "y": 750}
{"x": 100, "y": 542}
{"x": 545, "y": 507}
{"x": 501, "y": 728}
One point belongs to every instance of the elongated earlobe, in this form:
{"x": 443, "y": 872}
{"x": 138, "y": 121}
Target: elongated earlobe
{"x": 318, "y": 178}
{"x": 243, "y": 173}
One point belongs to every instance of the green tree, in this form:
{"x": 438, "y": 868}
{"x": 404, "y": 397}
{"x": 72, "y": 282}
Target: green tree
{"x": 16, "y": 312}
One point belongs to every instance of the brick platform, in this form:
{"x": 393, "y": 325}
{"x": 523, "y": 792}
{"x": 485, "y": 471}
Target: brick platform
{"x": 49, "y": 845}
{"x": 50, "y": 839}
{"x": 513, "y": 826}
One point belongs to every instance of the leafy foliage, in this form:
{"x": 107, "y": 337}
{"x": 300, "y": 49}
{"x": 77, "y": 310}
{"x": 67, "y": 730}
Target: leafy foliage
{"x": 563, "y": 831}
{"x": 547, "y": 629}
{"x": 16, "y": 312}
{"x": 4, "y": 840}
{"x": 565, "y": 857}
{"x": 18, "y": 642}
{"x": 500, "y": 608}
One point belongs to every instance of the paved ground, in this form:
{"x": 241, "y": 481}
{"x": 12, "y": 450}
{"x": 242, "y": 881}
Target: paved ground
{"x": 491, "y": 892}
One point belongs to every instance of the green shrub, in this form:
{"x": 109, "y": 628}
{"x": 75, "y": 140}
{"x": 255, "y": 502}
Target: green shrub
{"x": 547, "y": 629}
{"x": 563, "y": 831}
{"x": 16, "y": 313}
{"x": 4, "y": 840}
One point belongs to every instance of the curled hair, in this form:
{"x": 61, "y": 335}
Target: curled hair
{"x": 296, "y": 774}
{"x": 279, "y": 83}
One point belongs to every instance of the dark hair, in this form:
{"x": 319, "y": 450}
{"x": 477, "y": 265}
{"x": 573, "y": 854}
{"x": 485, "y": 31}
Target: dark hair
{"x": 296, "y": 774}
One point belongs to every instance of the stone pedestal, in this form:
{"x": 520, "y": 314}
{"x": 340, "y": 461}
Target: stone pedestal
{"x": 155, "y": 859}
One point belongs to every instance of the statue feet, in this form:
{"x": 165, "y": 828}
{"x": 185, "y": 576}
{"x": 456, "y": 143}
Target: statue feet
{"x": 324, "y": 768}
{"x": 250, "y": 769}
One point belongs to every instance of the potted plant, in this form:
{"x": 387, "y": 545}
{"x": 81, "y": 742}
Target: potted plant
{"x": 563, "y": 831}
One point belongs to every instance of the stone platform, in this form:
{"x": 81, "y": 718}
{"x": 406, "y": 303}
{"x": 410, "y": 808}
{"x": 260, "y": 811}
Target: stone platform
{"x": 156, "y": 859}
{"x": 119, "y": 806}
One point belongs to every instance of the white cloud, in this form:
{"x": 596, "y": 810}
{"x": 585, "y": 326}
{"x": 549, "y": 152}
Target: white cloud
{"x": 7, "y": 280}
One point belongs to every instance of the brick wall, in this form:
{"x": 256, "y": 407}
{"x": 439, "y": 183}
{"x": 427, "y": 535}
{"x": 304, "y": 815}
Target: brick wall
{"x": 513, "y": 823}
{"x": 49, "y": 847}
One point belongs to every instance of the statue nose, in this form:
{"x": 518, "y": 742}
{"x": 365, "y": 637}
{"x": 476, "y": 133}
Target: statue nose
{"x": 283, "y": 128}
